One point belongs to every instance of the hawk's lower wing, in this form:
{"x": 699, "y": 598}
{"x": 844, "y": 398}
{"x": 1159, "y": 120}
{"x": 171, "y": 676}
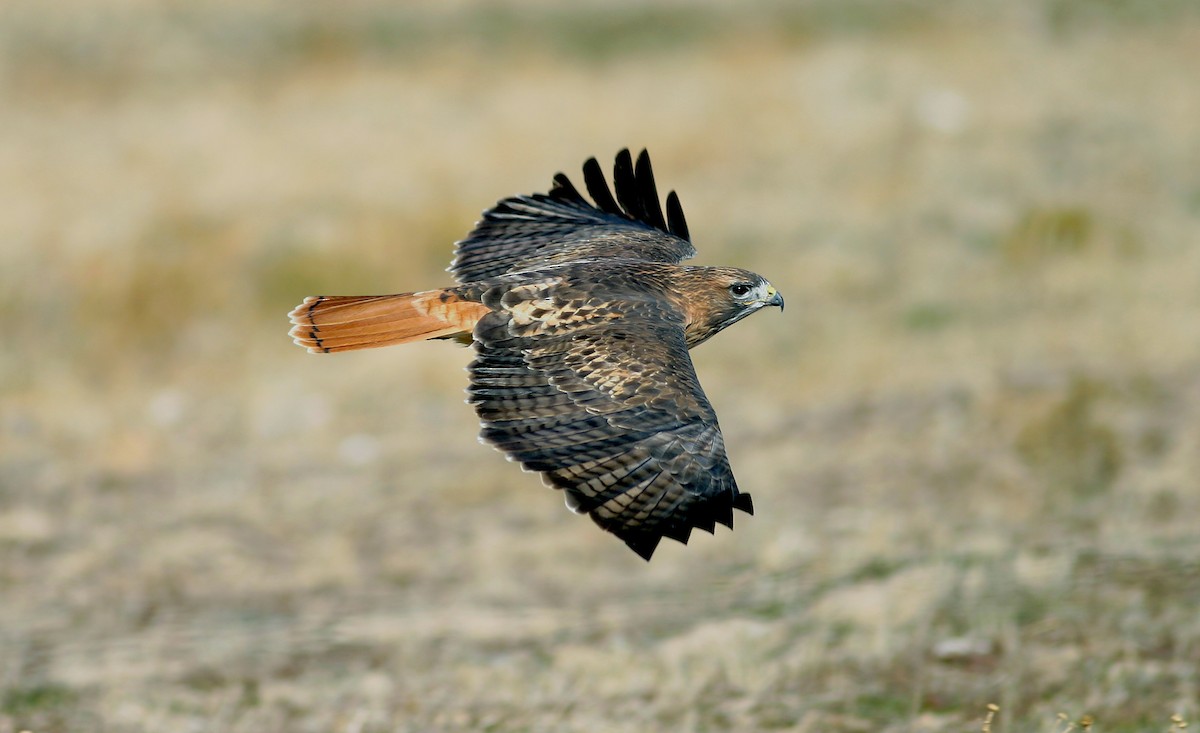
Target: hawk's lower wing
{"x": 527, "y": 232}
{"x": 608, "y": 410}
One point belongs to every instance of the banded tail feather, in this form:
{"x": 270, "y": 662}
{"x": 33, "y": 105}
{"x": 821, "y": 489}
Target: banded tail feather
{"x": 329, "y": 323}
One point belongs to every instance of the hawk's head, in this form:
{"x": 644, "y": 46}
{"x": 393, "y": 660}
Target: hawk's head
{"x": 723, "y": 296}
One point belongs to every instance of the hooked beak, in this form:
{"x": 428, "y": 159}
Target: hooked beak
{"x": 774, "y": 298}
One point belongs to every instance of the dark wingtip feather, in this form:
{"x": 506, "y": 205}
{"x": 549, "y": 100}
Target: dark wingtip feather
{"x": 636, "y": 194}
{"x": 648, "y": 192}
{"x": 625, "y": 183}
{"x": 678, "y": 531}
{"x": 724, "y": 515}
{"x": 593, "y": 179}
{"x": 563, "y": 189}
{"x": 643, "y": 546}
{"x": 704, "y": 516}
{"x": 676, "y": 223}
{"x": 744, "y": 503}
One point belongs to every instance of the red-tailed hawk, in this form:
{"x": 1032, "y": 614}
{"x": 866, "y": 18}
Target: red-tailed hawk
{"x": 581, "y": 317}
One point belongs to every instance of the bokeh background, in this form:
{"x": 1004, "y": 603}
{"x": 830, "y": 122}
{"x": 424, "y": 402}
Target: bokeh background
{"x": 973, "y": 438}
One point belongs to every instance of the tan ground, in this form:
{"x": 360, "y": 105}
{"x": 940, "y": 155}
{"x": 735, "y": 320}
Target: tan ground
{"x": 973, "y": 437}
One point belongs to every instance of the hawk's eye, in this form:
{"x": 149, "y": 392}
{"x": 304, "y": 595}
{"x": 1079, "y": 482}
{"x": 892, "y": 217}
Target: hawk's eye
{"x": 739, "y": 289}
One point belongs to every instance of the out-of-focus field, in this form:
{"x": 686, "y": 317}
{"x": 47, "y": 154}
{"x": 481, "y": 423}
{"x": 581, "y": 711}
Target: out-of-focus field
{"x": 973, "y": 438}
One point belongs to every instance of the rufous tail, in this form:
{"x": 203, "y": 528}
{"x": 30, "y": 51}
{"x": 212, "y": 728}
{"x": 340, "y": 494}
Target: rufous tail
{"x": 328, "y": 323}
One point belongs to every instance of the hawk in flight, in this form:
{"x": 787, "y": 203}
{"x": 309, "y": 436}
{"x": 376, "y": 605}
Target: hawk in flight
{"x": 581, "y": 317}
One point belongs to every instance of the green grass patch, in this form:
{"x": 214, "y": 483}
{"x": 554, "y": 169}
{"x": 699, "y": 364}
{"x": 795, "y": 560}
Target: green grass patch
{"x": 39, "y": 698}
{"x": 1071, "y": 447}
{"x": 928, "y": 317}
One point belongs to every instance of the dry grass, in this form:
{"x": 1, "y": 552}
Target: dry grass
{"x": 973, "y": 436}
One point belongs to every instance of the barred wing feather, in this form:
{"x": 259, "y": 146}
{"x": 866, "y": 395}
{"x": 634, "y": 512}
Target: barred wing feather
{"x": 611, "y": 412}
{"x": 540, "y": 229}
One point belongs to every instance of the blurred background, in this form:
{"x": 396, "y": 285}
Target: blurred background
{"x": 973, "y": 438}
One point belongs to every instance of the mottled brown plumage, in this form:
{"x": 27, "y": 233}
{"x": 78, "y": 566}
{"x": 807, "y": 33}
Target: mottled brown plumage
{"x": 582, "y": 317}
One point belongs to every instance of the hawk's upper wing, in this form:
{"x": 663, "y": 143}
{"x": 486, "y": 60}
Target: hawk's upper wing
{"x": 526, "y": 232}
{"x": 602, "y": 399}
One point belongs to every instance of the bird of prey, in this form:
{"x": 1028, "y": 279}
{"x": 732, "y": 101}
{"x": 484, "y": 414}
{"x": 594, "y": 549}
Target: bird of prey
{"x": 581, "y": 318}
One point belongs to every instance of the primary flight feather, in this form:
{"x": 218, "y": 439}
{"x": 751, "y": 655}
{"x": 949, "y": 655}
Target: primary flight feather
{"x": 581, "y": 317}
